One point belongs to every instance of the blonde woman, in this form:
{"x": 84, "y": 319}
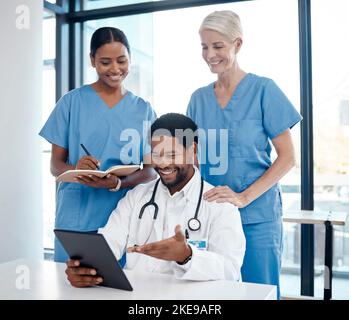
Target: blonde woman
{"x": 255, "y": 115}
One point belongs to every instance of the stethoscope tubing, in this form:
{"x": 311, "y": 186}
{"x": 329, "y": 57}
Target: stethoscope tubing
{"x": 194, "y": 223}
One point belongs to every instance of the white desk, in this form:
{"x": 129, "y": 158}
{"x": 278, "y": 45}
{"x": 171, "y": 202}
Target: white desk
{"x": 315, "y": 217}
{"x": 48, "y": 281}
{"x": 329, "y": 219}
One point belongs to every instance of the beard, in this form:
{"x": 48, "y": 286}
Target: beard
{"x": 181, "y": 175}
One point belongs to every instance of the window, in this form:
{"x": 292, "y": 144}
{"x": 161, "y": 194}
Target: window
{"x": 331, "y": 133}
{"x": 97, "y": 4}
{"x": 48, "y": 99}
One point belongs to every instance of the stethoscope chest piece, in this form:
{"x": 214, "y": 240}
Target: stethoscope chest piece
{"x": 194, "y": 224}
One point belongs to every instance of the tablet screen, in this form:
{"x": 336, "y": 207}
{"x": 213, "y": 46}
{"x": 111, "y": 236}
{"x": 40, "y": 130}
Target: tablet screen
{"x": 93, "y": 251}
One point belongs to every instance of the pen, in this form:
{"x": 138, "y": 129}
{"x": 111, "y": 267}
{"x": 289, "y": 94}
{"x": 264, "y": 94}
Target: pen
{"x": 86, "y": 151}
{"x": 186, "y": 234}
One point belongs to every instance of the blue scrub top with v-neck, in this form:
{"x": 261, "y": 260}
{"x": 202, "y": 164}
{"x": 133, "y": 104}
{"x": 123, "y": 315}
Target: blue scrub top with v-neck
{"x": 257, "y": 112}
{"x": 109, "y": 134}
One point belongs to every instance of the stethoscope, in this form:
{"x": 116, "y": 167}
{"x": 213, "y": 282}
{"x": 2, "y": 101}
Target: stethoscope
{"x": 194, "y": 223}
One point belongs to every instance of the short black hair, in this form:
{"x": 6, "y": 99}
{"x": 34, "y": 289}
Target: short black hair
{"x": 176, "y": 125}
{"x": 107, "y": 35}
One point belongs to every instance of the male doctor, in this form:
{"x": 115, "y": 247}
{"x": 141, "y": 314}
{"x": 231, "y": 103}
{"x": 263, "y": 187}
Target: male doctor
{"x": 189, "y": 237}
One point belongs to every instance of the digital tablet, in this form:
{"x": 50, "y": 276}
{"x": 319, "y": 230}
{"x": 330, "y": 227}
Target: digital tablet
{"x": 93, "y": 251}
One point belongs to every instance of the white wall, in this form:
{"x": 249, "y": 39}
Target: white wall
{"x": 20, "y": 114}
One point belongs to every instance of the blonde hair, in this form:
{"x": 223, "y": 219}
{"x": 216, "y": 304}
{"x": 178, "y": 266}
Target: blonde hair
{"x": 225, "y": 22}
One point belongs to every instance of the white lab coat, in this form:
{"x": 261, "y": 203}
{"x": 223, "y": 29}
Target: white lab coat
{"x": 221, "y": 228}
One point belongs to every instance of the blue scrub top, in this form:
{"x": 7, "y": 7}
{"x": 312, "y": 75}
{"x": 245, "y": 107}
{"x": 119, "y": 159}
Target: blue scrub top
{"x": 109, "y": 134}
{"x": 257, "y": 112}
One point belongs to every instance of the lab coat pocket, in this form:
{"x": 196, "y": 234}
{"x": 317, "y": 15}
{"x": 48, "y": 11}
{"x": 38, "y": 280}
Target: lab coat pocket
{"x": 266, "y": 207}
{"x": 68, "y": 208}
